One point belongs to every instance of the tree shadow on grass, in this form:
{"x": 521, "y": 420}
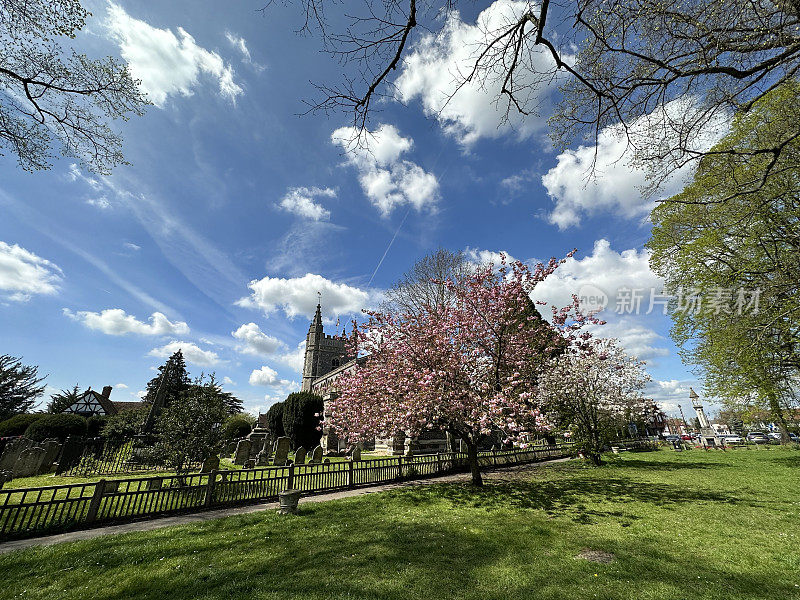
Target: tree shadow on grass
{"x": 788, "y": 461}
{"x": 567, "y": 497}
{"x": 654, "y": 465}
{"x": 396, "y": 558}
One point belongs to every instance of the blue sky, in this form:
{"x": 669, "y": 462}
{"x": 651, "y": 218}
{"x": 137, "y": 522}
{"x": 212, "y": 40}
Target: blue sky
{"x": 235, "y": 211}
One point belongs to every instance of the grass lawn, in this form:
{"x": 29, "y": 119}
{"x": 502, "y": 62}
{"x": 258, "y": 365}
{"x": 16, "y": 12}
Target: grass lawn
{"x": 699, "y": 525}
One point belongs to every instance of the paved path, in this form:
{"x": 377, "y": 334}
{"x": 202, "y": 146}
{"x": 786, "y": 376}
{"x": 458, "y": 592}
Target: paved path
{"x": 158, "y": 523}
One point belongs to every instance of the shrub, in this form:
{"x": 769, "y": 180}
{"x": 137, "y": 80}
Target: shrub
{"x": 95, "y": 424}
{"x": 237, "y": 426}
{"x": 17, "y": 424}
{"x": 275, "y": 420}
{"x": 301, "y": 416}
{"x": 123, "y": 426}
{"x": 57, "y": 426}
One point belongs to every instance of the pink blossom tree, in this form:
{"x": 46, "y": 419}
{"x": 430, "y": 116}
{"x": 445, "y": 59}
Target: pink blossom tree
{"x": 592, "y": 390}
{"x": 468, "y": 367}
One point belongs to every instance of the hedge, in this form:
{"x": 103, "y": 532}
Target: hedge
{"x": 57, "y": 426}
{"x": 17, "y": 424}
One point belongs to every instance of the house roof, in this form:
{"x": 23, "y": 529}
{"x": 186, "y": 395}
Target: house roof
{"x": 126, "y": 406}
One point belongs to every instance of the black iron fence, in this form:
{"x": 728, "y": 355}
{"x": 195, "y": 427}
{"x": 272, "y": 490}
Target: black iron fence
{"x": 36, "y": 511}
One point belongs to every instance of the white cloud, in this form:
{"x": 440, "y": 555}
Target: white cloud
{"x": 440, "y": 62}
{"x": 604, "y": 269}
{"x": 298, "y": 296}
{"x": 300, "y": 201}
{"x": 191, "y": 352}
{"x": 165, "y": 63}
{"x": 602, "y": 179}
{"x": 296, "y": 358}
{"x": 387, "y": 181}
{"x": 240, "y": 44}
{"x": 228, "y": 381}
{"x": 121, "y": 386}
{"x": 637, "y": 340}
{"x": 23, "y": 274}
{"x": 266, "y": 376}
{"x": 115, "y": 321}
{"x": 254, "y": 341}
{"x": 485, "y": 257}
{"x": 132, "y": 246}
{"x": 102, "y": 203}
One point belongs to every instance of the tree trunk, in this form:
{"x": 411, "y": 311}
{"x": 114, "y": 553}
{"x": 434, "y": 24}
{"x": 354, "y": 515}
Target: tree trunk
{"x": 777, "y": 414}
{"x": 472, "y": 455}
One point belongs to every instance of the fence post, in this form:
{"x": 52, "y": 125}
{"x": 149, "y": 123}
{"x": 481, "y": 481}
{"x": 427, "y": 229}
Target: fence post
{"x": 350, "y": 473}
{"x": 94, "y": 503}
{"x": 290, "y": 480}
{"x": 438, "y": 462}
{"x": 400, "y": 467}
{"x": 212, "y": 479}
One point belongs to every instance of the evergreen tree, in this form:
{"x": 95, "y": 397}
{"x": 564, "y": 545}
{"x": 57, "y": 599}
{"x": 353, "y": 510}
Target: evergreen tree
{"x": 302, "y": 413}
{"x": 177, "y": 380}
{"x": 61, "y": 401}
{"x": 19, "y": 386}
{"x": 275, "y": 420}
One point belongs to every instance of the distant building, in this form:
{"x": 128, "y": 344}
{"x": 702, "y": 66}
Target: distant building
{"x": 326, "y": 360}
{"x": 92, "y": 403}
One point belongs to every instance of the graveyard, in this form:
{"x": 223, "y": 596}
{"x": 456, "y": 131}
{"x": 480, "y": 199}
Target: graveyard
{"x": 662, "y": 524}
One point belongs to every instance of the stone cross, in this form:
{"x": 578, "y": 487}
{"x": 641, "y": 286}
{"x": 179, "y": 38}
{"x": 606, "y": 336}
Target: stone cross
{"x": 282, "y": 446}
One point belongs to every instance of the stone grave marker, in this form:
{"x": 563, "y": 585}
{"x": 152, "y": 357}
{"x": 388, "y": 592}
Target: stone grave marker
{"x": 5, "y": 476}
{"x": 356, "y": 456}
{"x": 282, "y": 447}
{"x": 250, "y": 463}
{"x": 242, "y": 452}
{"x": 29, "y": 462}
{"x": 210, "y": 464}
{"x": 52, "y": 448}
{"x": 300, "y": 456}
{"x": 316, "y": 455}
{"x": 262, "y": 458}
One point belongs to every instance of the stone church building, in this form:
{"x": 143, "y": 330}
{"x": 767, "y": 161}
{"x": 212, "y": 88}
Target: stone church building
{"x": 326, "y": 360}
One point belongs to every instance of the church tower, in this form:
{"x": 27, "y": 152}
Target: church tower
{"x": 323, "y": 352}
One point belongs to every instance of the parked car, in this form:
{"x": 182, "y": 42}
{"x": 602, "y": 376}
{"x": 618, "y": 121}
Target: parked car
{"x": 732, "y": 438}
{"x": 671, "y": 438}
{"x": 686, "y": 437}
{"x": 757, "y": 437}
{"x": 774, "y": 435}
{"x": 794, "y": 437}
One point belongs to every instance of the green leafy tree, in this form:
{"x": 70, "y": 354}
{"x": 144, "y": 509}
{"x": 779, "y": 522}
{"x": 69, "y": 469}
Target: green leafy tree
{"x": 737, "y": 250}
{"x": 238, "y": 426}
{"x": 61, "y": 401}
{"x": 123, "y": 426}
{"x": 50, "y": 93}
{"x": 19, "y": 386}
{"x": 190, "y": 429}
{"x": 302, "y": 413}
{"x": 275, "y": 420}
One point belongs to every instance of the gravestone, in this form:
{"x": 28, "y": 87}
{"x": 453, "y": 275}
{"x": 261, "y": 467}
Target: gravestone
{"x": 12, "y": 451}
{"x": 70, "y": 454}
{"x": 282, "y": 447}
{"x": 462, "y": 446}
{"x": 210, "y": 464}
{"x": 262, "y": 458}
{"x": 327, "y": 461}
{"x": 52, "y": 448}
{"x": 29, "y": 462}
{"x": 154, "y": 484}
{"x": 316, "y": 456}
{"x": 300, "y": 456}
{"x": 257, "y": 440}
{"x": 5, "y": 476}
{"x": 242, "y": 454}
{"x": 250, "y": 463}
{"x": 356, "y": 455}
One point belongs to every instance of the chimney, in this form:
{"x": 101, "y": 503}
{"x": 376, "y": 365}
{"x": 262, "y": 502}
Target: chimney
{"x": 107, "y": 391}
